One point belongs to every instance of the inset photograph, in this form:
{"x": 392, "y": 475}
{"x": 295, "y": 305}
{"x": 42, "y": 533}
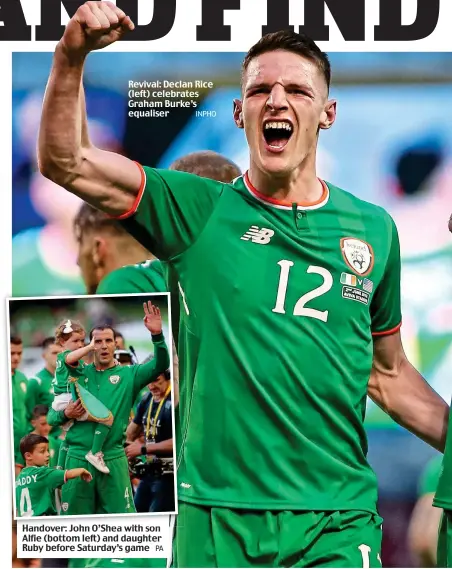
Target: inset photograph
{"x": 91, "y": 405}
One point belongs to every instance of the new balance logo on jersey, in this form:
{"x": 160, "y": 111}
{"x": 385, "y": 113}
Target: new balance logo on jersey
{"x": 261, "y": 236}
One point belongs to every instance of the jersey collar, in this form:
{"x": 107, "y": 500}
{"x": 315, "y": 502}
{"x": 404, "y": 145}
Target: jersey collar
{"x": 281, "y": 204}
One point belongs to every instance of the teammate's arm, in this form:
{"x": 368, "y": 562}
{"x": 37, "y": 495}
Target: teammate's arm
{"x": 423, "y": 530}
{"x": 106, "y": 180}
{"x": 400, "y": 390}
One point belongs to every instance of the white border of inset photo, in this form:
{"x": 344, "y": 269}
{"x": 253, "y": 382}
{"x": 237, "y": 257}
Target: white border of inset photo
{"x": 169, "y": 343}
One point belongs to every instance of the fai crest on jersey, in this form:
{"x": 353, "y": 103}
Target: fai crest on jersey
{"x": 65, "y": 506}
{"x": 358, "y": 255}
{"x": 114, "y": 379}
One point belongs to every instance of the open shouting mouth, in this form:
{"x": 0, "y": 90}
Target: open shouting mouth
{"x": 277, "y": 134}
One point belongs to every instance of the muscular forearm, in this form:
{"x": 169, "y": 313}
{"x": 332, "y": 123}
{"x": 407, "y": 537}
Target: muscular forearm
{"x": 412, "y": 403}
{"x": 163, "y": 447}
{"x": 60, "y": 149}
{"x": 104, "y": 179}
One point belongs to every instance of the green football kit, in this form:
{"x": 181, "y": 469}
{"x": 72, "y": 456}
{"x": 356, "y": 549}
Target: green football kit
{"x": 116, "y": 387}
{"x": 443, "y": 499}
{"x": 41, "y": 387}
{"x": 21, "y": 411}
{"x": 66, "y": 379}
{"x": 128, "y": 563}
{"x": 279, "y": 303}
{"x": 142, "y": 277}
{"x": 35, "y": 490}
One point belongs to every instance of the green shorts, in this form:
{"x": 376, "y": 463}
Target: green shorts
{"x": 220, "y": 537}
{"x": 105, "y": 494}
{"x": 444, "y": 552}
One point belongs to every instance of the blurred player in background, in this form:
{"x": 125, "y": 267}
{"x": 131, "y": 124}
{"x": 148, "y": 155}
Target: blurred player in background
{"x": 232, "y": 246}
{"x": 425, "y": 519}
{"x": 119, "y": 341}
{"x": 40, "y": 386}
{"x": 104, "y": 250}
{"x": 39, "y": 421}
{"x": 37, "y": 481}
{"x": 22, "y": 404}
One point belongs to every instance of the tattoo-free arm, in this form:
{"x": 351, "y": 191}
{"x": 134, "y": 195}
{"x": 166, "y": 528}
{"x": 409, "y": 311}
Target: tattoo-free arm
{"x": 400, "y": 390}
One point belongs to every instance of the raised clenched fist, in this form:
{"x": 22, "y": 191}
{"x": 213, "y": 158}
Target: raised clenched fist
{"x": 95, "y": 25}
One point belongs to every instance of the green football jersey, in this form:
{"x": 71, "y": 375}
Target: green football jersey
{"x": 143, "y": 277}
{"x": 279, "y": 302}
{"x": 35, "y": 490}
{"x": 64, "y": 372}
{"x": 21, "y": 411}
{"x": 41, "y": 386}
{"x": 117, "y": 388}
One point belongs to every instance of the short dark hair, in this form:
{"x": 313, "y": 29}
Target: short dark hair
{"x": 90, "y": 218}
{"x": 16, "y": 340}
{"x": 39, "y": 411}
{"x": 300, "y": 44}
{"x": 207, "y": 164}
{"x": 49, "y": 341}
{"x": 118, "y": 334}
{"x": 101, "y": 328}
{"x": 30, "y": 442}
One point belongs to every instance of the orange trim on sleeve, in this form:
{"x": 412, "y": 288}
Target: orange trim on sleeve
{"x": 137, "y": 201}
{"x": 388, "y": 332}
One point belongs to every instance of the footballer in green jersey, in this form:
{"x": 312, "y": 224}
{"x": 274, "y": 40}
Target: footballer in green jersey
{"x": 41, "y": 385}
{"x": 116, "y": 386}
{"x": 22, "y": 408}
{"x": 290, "y": 314}
{"x": 37, "y": 483}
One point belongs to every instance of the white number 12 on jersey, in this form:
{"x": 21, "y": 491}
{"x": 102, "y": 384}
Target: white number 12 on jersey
{"x": 300, "y": 309}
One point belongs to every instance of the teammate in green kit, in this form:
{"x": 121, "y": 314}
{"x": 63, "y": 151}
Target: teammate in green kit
{"x": 22, "y": 403}
{"x": 110, "y": 260}
{"x": 37, "y": 482}
{"x": 115, "y": 386}
{"x": 281, "y": 275}
{"x": 40, "y": 386}
{"x": 69, "y": 375}
{"x": 443, "y": 498}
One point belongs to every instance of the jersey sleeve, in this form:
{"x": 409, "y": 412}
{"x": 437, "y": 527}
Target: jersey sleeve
{"x": 145, "y": 373}
{"x": 56, "y": 418}
{"x": 51, "y": 477}
{"x": 171, "y": 210}
{"x": 385, "y": 308}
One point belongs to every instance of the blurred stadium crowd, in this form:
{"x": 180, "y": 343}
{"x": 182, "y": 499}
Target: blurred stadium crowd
{"x": 391, "y": 144}
{"x": 33, "y": 364}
